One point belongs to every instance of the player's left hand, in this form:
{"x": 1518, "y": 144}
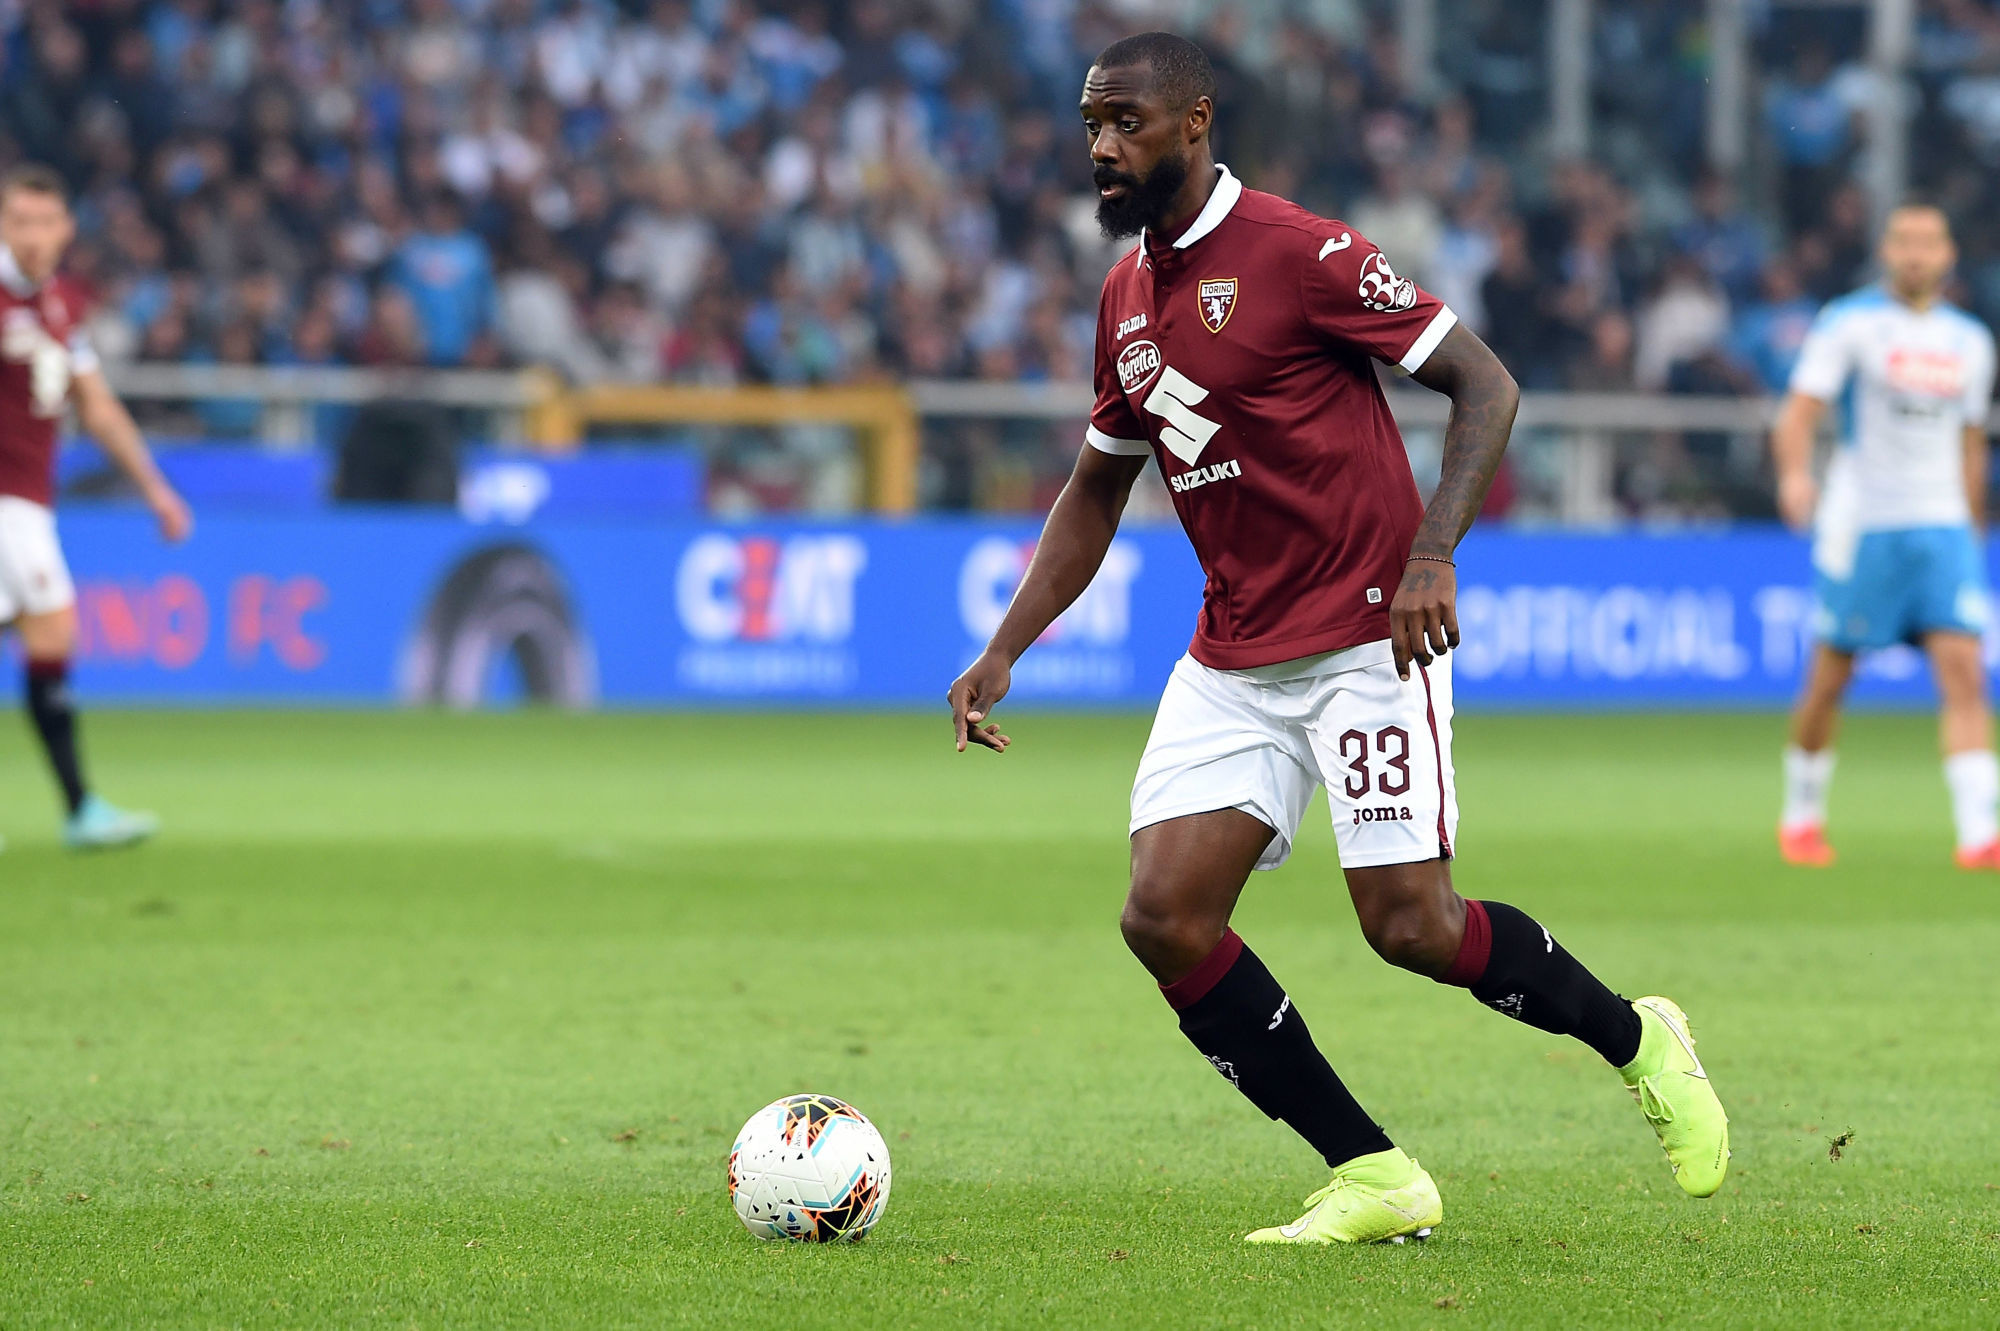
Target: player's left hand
{"x": 171, "y": 512}
{"x": 1423, "y": 619}
{"x": 973, "y": 696}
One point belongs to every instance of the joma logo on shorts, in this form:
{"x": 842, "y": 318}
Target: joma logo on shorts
{"x": 1384, "y": 813}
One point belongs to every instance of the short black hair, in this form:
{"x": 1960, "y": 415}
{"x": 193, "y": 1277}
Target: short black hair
{"x": 1180, "y": 68}
{"x": 1922, "y": 203}
{"x": 34, "y": 178}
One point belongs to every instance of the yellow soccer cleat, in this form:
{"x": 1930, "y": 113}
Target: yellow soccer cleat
{"x": 1672, "y": 1090}
{"x": 1381, "y": 1198}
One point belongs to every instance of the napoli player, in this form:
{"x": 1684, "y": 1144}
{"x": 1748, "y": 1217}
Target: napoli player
{"x": 1895, "y": 551}
{"x": 46, "y": 363}
{"x": 1236, "y": 345}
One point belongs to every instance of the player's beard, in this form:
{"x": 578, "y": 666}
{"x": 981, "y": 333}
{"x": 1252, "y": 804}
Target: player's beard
{"x": 1145, "y": 198}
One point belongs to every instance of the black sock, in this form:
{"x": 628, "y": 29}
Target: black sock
{"x": 55, "y": 721}
{"x": 1514, "y": 966}
{"x": 1237, "y": 1015}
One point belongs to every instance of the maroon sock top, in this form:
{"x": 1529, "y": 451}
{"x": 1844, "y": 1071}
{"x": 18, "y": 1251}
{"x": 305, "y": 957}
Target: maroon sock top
{"x": 1207, "y": 973}
{"x": 1474, "y": 949}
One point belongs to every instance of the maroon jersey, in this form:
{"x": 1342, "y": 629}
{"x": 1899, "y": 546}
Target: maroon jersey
{"x": 1241, "y": 357}
{"x": 42, "y": 345}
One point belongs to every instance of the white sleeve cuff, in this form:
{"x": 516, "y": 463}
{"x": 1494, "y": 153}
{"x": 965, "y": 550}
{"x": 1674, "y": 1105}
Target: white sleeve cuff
{"x": 1104, "y": 443}
{"x": 1820, "y": 387}
{"x": 1427, "y": 341}
{"x": 83, "y": 357}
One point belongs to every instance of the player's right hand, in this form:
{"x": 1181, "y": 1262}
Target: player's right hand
{"x": 171, "y": 512}
{"x": 1798, "y": 496}
{"x": 973, "y": 696}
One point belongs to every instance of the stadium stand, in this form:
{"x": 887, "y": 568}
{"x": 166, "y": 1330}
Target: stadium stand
{"x": 722, "y": 192}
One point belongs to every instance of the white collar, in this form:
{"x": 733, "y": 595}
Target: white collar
{"x": 12, "y": 277}
{"x": 1228, "y": 189}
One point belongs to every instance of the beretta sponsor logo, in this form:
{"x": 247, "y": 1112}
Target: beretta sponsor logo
{"x": 1137, "y": 365}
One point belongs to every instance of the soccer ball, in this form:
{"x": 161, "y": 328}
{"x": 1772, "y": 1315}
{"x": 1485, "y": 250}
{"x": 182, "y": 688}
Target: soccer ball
{"x": 809, "y": 1168}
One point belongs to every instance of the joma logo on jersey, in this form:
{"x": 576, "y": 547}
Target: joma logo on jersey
{"x": 1137, "y": 364}
{"x": 1127, "y": 327}
{"x": 1200, "y": 476}
{"x": 1384, "y": 813}
{"x": 1218, "y": 302}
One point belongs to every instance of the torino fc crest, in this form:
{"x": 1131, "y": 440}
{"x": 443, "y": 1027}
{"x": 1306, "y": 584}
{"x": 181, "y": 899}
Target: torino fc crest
{"x": 1218, "y": 300}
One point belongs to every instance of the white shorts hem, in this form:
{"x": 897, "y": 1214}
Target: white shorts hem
{"x": 1389, "y": 855}
{"x": 1274, "y": 855}
{"x": 34, "y": 578}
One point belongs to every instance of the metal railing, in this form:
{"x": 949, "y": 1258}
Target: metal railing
{"x": 1570, "y": 411}
{"x": 287, "y": 393}
{"x": 1571, "y": 441}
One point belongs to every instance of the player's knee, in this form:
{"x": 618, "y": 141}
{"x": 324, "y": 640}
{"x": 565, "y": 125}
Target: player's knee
{"x": 1962, "y": 680}
{"x": 49, "y": 637}
{"x": 1166, "y": 941}
{"x": 1147, "y": 930}
{"x": 1410, "y": 935}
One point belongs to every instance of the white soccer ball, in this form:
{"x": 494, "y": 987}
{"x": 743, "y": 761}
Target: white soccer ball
{"x": 809, "y": 1168}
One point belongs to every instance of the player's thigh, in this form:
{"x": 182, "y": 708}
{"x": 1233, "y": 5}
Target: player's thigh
{"x": 35, "y": 587}
{"x": 1383, "y": 748}
{"x": 1410, "y": 913}
{"x": 1193, "y": 868}
{"x": 1830, "y": 672}
{"x": 1958, "y": 665}
{"x": 1215, "y": 745}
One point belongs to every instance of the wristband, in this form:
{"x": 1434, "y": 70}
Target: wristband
{"x": 1435, "y": 559}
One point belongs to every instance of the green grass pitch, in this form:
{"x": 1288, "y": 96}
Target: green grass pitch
{"x": 420, "y": 1020}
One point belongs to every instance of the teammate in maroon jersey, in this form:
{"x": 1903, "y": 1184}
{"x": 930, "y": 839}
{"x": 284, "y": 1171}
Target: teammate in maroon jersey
{"x": 1236, "y": 346}
{"x": 46, "y": 363}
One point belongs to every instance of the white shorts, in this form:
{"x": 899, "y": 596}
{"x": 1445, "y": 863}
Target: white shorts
{"x": 1261, "y": 740}
{"x": 34, "y": 580}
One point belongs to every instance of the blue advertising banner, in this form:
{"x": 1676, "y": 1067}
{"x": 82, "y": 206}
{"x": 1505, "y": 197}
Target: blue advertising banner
{"x": 379, "y": 607}
{"x": 651, "y": 483}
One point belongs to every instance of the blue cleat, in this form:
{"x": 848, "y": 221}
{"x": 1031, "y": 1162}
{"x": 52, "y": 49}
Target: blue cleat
{"x": 101, "y": 825}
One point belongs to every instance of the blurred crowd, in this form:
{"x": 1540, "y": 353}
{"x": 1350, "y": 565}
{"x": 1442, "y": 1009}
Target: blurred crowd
{"x": 800, "y": 191}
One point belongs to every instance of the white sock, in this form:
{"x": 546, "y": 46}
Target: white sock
{"x": 1974, "y": 778}
{"x": 1808, "y": 776}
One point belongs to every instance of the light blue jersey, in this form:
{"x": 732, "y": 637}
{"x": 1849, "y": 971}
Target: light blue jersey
{"x": 1893, "y": 545}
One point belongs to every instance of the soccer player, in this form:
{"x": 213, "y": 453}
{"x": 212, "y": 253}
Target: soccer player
{"x": 1236, "y": 345}
{"x": 1896, "y": 554}
{"x": 46, "y": 362}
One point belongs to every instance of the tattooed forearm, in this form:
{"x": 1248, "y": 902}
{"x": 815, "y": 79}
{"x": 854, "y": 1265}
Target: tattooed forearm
{"x": 1483, "y": 399}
